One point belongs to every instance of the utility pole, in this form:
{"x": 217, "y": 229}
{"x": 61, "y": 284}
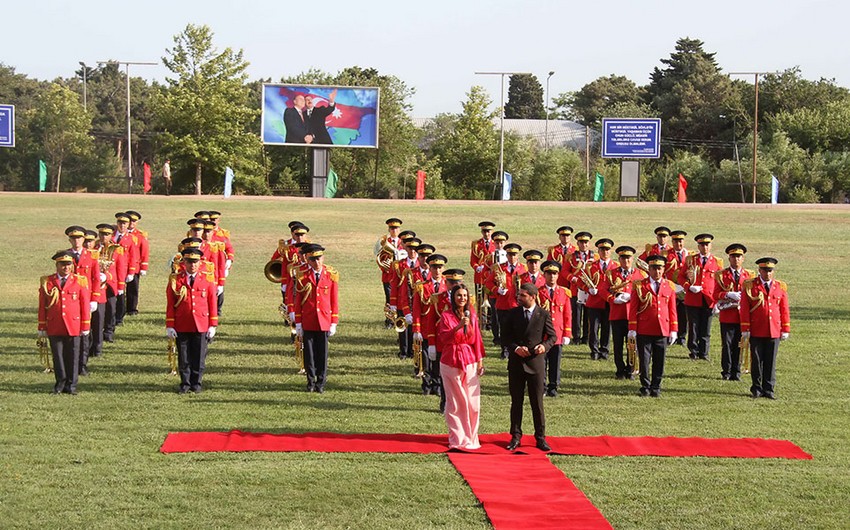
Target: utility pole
{"x": 502, "y": 119}
{"x": 547, "y": 109}
{"x": 755, "y": 124}
{"x": 129, "y": 136}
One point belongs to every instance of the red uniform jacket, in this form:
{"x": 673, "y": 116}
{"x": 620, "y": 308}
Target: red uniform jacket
{"x": 399, "y": 269}
{"x": 674, "y": 264}
{"x": 317, "y": 304}
{"x": 223, "y": 236}
{"x": 287, "y": 254}
{"x": 387, "y": 275}
{"x": 614, "y": 282}
{"x": 131, "y": 251}
{"x": 116, "y": 276}
{"x": 481, "y": 249}
{"x": 214, "y": 253}
{"x": 425, "y": 312}
{"x": 191, "y": 309}
{"x": 765, "y": 314}
{"x": 64, "y": 312}
{"x": 560, "y": 253}
{"x": 703, "y": 275}
{"x": 512, "y": 281}
{"x": 597, "y": 276}
{"x": 408, "y": 288}
{"x": 538, "y": 282}
{"x": 652, "y": 249}
{"x": 88, "y": 266}
{"x": 560, "y": 309}
{"x": 653, "y": 314}
{"x": 144, "y": 248}
{"x": 724, "y": 282}
{"x": 568, "y": 276}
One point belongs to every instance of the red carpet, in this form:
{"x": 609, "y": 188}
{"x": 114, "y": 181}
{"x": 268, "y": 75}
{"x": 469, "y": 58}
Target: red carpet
{"x": 236, "y": 441}
{"x": 526, "y": 492}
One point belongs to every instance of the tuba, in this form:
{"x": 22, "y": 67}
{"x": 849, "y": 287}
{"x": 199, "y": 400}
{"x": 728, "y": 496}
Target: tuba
{"x": 385, "y": 254}
{"x": 273, "y": 271}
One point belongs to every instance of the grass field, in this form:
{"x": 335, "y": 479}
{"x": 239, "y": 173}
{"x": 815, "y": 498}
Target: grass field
{"x": 92, "y": 461}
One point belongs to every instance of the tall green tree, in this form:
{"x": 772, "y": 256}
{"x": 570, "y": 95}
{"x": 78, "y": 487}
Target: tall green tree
{"x": 525, "y": 98}
{"x": 594, "y": 100}
{"x": 204, "y": 112}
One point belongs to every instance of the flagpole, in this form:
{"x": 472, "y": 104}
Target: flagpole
{"x": 755, "y": 124}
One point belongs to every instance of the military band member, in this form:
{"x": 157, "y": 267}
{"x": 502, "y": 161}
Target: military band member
{"x": 765, "y": 320}
{"x": 504, "y": 282}
{"x": 128, "y": 242}
{"x": 316, "y": 314}
{"x": 386, "y": 253}
{"x": 287, "y": 252}
{"x": 64, "y": 314}
{"x": 598, "y": 329}
{"x": 653, "y": 323}
{"x": 191, "y": 317}
{"x": 564, "y": 249}
{"x": 727, "y": 294}
{"x": 84, "y": 265}
{"x": 442, "y": 302}
{"x": 617, "y": 285}
{"x": 214, "y": 252}
{"x": 401, "y": 276}
{"x": 533, "y": 274}
{"x": 478, "y": 255}
{"x": 696, "y": 276}
{"x": 140, "y": 239}
{"x": 421, "y": 272}
{"x": 221, "y": 235}
{"x": 661, "y": 246}
{"x": 675, "y": 257}
{"x": 556, "y": 300}
{"x": 115, "y": 267}
{"x": 424, "y": 317}
{"x": 581, "y": 258}
{"x": 492, "y": 262}
{"x": 92, "y": 345}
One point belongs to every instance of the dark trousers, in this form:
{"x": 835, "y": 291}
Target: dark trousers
{"x": 316, "y": 358}
{"x": 120, "y": 308}
{"x": 386, "y": 301}
{"x": 518, "y": 380}
{"x": 682, "y": 315}
{"x": 599, "y": 331}
{"x": 98, "y": 320}
{"x": 132, "y": 293}
{"x": 730, "y": 358}
{"x": 699, "y": 331}
{"x": 433, "y": 375}
{"x": 553, "y": 367}
{"x": 501, "y": 314}
{"x": 764, "y": 351}
{"x": 109, "y": 316}
{"x": 578, "y": 315}
{"x": 426, "y": 368}
{"x": 66, "y": 359}
{"x": 620, "y": 332}
{"x": 220, "y": 302}
{"x": 651, "y": 349}
{"x": 405, "y": 340}
{"x": 192, "y": 359}
{"x": 494, "y": 322}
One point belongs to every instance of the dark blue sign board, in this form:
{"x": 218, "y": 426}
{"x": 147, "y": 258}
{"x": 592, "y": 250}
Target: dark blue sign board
{"x": 631, "y": 137}
{"x": 7, "y": 126}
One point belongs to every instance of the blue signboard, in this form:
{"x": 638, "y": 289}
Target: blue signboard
{"x": 7, "y": 126}
{"x": 631, "y": 137}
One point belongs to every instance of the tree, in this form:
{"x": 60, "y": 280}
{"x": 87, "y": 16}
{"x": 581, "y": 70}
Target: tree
{"x": 204, "y": 112}
{"x": 16, "y": 163}
{"x": 61, "y": 124}
{"x": 595, "y": 100}
{"x": 525, "y": 98}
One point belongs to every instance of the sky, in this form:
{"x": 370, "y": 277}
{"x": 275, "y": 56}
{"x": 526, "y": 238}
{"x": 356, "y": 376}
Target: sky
{"x": 436, "y": 46}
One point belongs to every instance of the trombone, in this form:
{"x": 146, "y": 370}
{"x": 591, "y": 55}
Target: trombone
{"x": 44, "y": 354}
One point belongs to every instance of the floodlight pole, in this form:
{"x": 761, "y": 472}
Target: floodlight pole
{"x": 129, "y": 136}
{"x": 85, "y": 99}
{"x": 546, "y": 128}
{"x": 755, "y": 125}
{"x": 501, "y": 177}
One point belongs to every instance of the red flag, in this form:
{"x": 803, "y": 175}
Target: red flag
{"x": 420, "y": 185}
{"x": 147, "y": 173}
{"x": 683, "y": 186}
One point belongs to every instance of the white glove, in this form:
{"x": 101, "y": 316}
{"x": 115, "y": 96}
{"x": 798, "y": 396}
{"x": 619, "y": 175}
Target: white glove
{"x": 219, "y": 290}
{"x": 502, "y": 291}
{"x": 226, "y": 272}
{"x": 85, "y": 333}
{"x": 92, "y": 306}
{"x": 409, "y": 319}
{"x": 211, "y": 332}
{"x": 171, "y": 333}
{"x": 619, "y": 300}
{"x": 565, "y": 341}
{"x": 593, "y": 290}
{"x": 679, "y": 289}
{"x": 673, "y": 337}
{"x": 282, "y": 287}
{"x": 299, "y": 330}
{"x": 130, "y": 278}
{"x": 432, "y": 353}
{"x": 227, "y": 265}
{"x": 292, "y": 316}
{"x": 120, "y": 292}
{"x": 715, "y": 311}
{"x": 394, "y": 309}
{"x": 626, "y": 297}
{"x": 479, "y": 268}
{"x": 695, "y": 288}
{"x": 784, "y": 336}
{"x": 417, "y": 337}
{"x": 734, "y": 295}
{"x": 42, "y": 333}
{"x": 745, "y": 335}
{"x": 332, "y": 331}
{"x": 143, "y": 273}
{"x": 102, "y": 277}
{"x": 632, "y": 334}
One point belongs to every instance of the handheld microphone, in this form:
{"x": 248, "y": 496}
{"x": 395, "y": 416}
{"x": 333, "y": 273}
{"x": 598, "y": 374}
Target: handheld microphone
{"x": 465, "y": 314}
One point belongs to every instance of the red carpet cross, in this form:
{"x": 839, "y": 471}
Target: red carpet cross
{"x": 508, "y": 485}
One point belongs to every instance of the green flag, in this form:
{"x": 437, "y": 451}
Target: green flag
{"x": 42, "y": 175}
{"x": 600, "y": 188}
{"x": 331, "y": 186}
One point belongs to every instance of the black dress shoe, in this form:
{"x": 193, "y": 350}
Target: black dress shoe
{"x": 182, "y": 390}
{"x": 643, "y": 392}
{"x": 72, "y": 392}
{"x": 542, "y": 445}
{"x": 512, "y": 446}
{"x": 311, "y": 388}
{"x": 55, "y": 392}
{"x": 655, "y": 393}
{"x": 84, "y": 371}
{"x": 756, "y": 394}
{"x": 320, "y": 390}
{"x": 551, "y": 392}
{"x": 734, "y": 378}
{"x": 725, "y": 377}
{"x": 769, "y": 395}
{"x": 594, "y": 357}
{"x": 197, "y": 389}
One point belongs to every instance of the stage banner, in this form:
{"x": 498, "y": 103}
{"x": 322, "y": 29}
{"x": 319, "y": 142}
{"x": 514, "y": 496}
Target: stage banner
{"x": 320, "y": 116}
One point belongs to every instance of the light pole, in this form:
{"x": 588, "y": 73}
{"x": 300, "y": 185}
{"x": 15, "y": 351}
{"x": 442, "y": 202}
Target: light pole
{"x": 547, "y": 108}
{"x": 755, "y": 124}
{"x": 502, "y": 118}
{"x": 85, "y": 99}
{"x": 129, "y": 136}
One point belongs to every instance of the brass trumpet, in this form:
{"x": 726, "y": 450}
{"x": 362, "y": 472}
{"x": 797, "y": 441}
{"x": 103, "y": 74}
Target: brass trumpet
{"x": 631, "y": 349}
{"x": 746, "y": 359}
{"x": 399, "y": 324}
{"x": 417, "y": 358}
{"x": 172, "y": 356}
{"x": 299, "y": 354}
{"x": 44, "y": 354}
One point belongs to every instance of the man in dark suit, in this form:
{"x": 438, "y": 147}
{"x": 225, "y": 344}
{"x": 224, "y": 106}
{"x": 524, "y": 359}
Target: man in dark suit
{"x": 528, "y": 334}
{"x": 295, "y": 120}
{"x": 316, "y": 117}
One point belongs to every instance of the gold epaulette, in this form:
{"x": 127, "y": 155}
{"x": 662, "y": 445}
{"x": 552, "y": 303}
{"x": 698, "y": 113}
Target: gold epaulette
{"x": 417, "y": 287}
{"x": 567, "y": 290}
{"x": 43, "y": 281}
{"x": 749, "y": 282}
{"x": 210, "y": 277}
{"x": 672, "y": 285}
{"x": 782, "y": 285}
{"x": 224, "y": 233}
{"x": 82, "y": 280}
{"x": 118, "y": 250}
{"x": 281, "y": 246}
{"x": 719, "y": 262}
{"x": 648, "y": 248}
{"x": 95, "y": 254}
{"x": 333, "y": 273}
{"x": 751, "y": 274}
{"x": 144, "y": 234}
{"x": 474, "y": 243}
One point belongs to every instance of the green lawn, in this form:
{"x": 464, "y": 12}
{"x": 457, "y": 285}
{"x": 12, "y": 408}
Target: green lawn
{"x": 92, "y": 461}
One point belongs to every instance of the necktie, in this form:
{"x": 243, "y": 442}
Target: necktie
{"x": 120, "y": 235}
{"x": 551, "y": 293}
{"x": 76, "y": 257}
{"x": 704, "y": 259}
{"x": 604, "y": 266}
{"x": 436, "y": 286}
{"x": 309, "y": 112}
{"x": 655, "y": 286}
{"x": 533, "y": 278}
{"x": 511, "y": 268}
{"x": 62, "y": 280}
{"x": 528, "y": 315}
{"x": 736, "y": 275}
{"x": 680, "y": 256}
{"x": 318, "y": 274}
